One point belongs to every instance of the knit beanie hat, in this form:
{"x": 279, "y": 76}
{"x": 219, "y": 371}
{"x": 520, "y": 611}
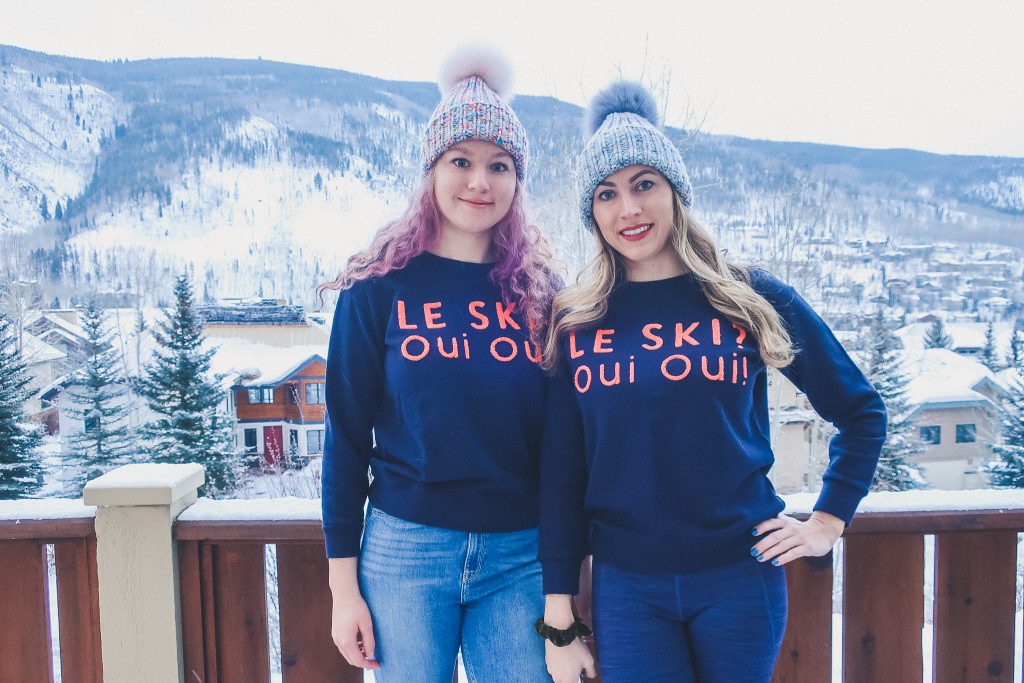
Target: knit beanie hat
{"x": 622, "y": 122}
{"x": 475, "y": 84}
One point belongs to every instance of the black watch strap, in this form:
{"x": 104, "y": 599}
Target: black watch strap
{"x": 564, "y": 636}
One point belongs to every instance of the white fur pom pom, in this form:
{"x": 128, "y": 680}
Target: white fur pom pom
{"x": 477, "y": 60}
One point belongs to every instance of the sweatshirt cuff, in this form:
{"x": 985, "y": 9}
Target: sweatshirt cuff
{"x": 561, "y": 577}
{"x": 342, "y": 541}
{"x": 839, "y": 499}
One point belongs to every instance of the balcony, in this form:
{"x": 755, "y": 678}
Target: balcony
{"x": 151, "y": 584}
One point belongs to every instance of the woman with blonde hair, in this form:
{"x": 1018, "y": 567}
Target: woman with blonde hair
{"x": 657, "y": 446}
{"x": 434, "y": 387}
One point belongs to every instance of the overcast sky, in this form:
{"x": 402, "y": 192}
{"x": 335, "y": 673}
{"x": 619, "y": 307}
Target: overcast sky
{"x": 936, "y": 75}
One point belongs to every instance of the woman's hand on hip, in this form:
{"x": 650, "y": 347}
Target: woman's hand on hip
{"x": 351, "y": 624}
{"x": 567, "y": 664}
{"x": 784, "y": 539}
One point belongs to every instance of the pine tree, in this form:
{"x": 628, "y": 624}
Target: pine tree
{"x": 99, "y": 400}
{"x": 896, "y": 472}
{"x": 988, "y": 352}
{"x": 1008, "y": 467}
{"x": 1015, "y": 354}
{"x": 936, "y": 337}
{"x": 177, "y": 386}
{"x": 44, "y": 208}
{"x": 20, "y": 466}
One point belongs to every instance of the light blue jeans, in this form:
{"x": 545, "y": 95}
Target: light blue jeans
{"x": 433, "y": 591}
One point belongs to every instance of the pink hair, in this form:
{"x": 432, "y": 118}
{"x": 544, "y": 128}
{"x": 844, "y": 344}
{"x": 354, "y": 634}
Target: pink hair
{"x": 523, "y": 261}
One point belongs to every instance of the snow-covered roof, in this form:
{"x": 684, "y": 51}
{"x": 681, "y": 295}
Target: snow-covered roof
{"x": 34, "y": 350}
{"x": 254, "y": 365}
{"x": 942, "y": 376}
{"x": 57, "y": 322}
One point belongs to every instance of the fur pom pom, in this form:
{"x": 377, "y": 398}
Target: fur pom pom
{"x": 620, "y": 97}
{"x": 477, "y": 60}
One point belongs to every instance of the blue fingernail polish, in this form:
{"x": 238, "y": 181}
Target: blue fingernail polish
{"x": 753, "y": 532}
{"x": 760, "y": 558}
{"x": 775, "y": 562}
{"x": 753, "y": 552}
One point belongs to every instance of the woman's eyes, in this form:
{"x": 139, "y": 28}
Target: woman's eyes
{"x": 495, "y": 167}
{"x": 642, "y": 186}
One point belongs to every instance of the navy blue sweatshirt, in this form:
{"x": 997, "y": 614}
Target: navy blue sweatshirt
{"x": 432, "y": 362}
{"x": 657, "y": 446}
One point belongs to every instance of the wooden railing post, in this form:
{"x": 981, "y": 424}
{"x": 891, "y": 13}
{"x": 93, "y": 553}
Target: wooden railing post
{"x": 137, "y": 568}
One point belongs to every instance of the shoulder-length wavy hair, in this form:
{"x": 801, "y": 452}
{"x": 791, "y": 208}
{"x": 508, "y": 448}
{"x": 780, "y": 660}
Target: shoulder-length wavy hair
{"x": 725, "y": 284}
{"x": 522, "y": 267}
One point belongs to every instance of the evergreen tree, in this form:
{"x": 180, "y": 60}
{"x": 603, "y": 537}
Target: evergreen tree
{"x": 1015, "y": 354}
{"x": 58, "y": 213}
{"x": 896, "y": 472}
{"x": 1008, "y": 467}
{"x": 20, "y": 466}
{"x": 988, "y": 352}
{"x": 318, "y": 181}
{"x": 177, "y": 386}
{"x": 44, "y": 208}
{"x": 98, "y": 398}
{"x": 936, "y": 337}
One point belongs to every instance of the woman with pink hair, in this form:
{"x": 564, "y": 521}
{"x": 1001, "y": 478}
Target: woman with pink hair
{"x": 434, "y": 388}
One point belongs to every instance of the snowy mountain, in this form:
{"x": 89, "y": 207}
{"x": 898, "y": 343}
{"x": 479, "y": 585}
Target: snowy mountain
{"x": 262, "y": 177}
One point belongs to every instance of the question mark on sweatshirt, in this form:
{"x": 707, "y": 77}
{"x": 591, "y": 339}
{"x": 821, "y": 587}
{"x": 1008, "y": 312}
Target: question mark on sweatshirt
{"x": 742, "y": 335}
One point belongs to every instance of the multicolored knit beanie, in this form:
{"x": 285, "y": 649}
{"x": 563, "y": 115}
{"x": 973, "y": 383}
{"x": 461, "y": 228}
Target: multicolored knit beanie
{"x": 475, "y": 84}
{"x": 622, "y": 122}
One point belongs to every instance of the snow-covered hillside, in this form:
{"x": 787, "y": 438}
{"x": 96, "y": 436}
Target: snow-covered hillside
{"x": 267, "y": 228}
{"x": 50, "y": 137}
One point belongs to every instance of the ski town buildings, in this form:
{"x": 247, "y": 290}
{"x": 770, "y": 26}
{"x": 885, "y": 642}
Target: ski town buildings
{"x": 271, "y": 359}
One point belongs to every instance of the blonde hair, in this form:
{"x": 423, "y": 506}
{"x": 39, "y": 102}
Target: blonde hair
{"x": 726, "y": 286}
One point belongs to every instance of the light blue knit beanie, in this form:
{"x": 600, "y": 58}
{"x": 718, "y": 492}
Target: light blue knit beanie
{"x": 622, "y": 122}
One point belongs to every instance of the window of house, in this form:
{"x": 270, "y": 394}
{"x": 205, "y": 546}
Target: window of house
{"x": 314, "y": 393}
{"x": 931, "y": 435}
{"x": 250, "y": 440}
{"x": 314, "y": 441}
{"x": 261, "y": 395}
{"x": 966, "y": 433}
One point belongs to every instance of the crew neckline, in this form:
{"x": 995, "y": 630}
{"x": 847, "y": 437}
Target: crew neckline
{"x": 488, "y": 265}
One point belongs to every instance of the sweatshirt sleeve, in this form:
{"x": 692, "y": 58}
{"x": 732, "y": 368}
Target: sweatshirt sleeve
{"x": 839, "y": 392}
{"x": 563, "y": 483}
{"x": 355, "y": 380}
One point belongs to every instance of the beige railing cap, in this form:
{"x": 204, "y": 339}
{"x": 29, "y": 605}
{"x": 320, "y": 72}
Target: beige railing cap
{"x": 144, "y": 484}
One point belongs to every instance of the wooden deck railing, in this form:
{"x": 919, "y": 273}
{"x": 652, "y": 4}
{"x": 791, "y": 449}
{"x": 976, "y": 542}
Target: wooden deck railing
{"x": 25, "y": 626}
{"x": 221, "y": 561}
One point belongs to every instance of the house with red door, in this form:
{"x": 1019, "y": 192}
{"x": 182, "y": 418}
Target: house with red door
{"x": 280, "y": 409}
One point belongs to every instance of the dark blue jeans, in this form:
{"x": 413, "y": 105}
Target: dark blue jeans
{"x": 722, "y": 625}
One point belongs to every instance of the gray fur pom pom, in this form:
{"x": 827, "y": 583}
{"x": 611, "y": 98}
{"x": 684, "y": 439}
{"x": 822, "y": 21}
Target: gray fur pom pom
{"x": 620, "y": 97}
